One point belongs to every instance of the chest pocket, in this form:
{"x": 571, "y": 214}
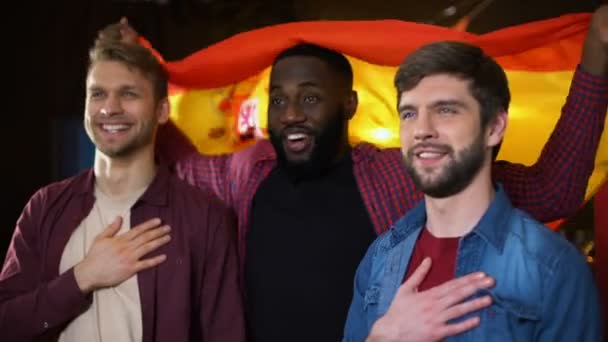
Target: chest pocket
{"x": 372, "y": 296}
{"x": 508, "y": 320}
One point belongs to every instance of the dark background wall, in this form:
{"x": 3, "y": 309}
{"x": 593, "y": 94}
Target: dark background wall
{"x": 45, "y": 45}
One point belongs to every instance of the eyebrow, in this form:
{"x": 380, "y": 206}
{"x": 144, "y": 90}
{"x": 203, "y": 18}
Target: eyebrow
{"x": 404, "y": 107}
{"x": 306, "y": 84}
{"x": 122, "y": 88}
{"x": 94, "y": 88}
{"x": 441, "y": 103}
{"x": 438, "y": 103}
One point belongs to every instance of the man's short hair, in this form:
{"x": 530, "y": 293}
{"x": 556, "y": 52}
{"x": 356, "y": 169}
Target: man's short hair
{"x": 134, "y": 56}
{"x": 488, "y": 81}
{"x": 334, "y": 59}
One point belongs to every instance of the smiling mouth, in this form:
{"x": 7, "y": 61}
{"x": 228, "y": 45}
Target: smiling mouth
{"x": 430, "y": 155}
{"x": 114, "y": 128}
{"x": 298, "y": 142}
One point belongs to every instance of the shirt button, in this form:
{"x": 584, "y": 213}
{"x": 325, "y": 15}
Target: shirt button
{"x": 45, "y": 325}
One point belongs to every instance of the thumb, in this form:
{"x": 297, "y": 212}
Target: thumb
{"x": 112, "y": 229}
{"x": 418, "y": 276}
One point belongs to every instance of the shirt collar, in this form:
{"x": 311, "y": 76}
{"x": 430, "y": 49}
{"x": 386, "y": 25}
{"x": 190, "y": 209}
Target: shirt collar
{"x": 265, "y": 151}
{"x": 156, "y": 193}
{"x": 491, "y": 227}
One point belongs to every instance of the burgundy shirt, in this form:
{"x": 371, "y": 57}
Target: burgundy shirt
{"x": 442, "y": 252}
{"x": 193, "y": 296}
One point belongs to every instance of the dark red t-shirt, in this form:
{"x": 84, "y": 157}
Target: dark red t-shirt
{"x": 442, "y": 252}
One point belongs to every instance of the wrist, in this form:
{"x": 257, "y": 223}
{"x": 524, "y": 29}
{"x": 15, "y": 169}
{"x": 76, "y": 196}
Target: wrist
{"x": 379, "y": 333}
{"x": 83, "y": 280}
{"x": 595, "y": 57}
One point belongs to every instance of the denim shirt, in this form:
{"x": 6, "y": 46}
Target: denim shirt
{"x": 544, "y": 288}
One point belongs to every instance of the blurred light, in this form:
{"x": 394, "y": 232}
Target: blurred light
{"x": 450, "y": 11}
{"x": 381, "y": 134}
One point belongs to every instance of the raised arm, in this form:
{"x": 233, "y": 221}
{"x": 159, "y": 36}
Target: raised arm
{"x": 554, "y": 187}
{"x": 31, "y": 306}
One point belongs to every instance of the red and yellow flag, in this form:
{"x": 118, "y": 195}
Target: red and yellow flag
{"x": 219, "y": 94}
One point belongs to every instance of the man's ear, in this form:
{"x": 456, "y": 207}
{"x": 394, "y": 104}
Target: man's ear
{"x": 351, "y": 104}
{"x": 164, "y": 109}
{"x": 497, "y": 128}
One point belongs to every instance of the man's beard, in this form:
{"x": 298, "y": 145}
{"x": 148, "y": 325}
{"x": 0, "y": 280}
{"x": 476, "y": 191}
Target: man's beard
{"x": 327, "y": 142}
{"x": 455, "y": 176}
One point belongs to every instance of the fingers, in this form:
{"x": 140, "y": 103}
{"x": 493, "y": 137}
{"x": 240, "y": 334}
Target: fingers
{"x": 460, "y": 293}
{"x": 127, "y": 32}
{"x": 464, "y": 308}
{"x": 148, "y": 263}
{"x": 457, "y": 328}
{"x": 112, "y": 229}
{"x": 141, "y": 228}
{"x": 417, "y": 277}
{"x": 149, "y": 235}
{"x": 151, "y": 246}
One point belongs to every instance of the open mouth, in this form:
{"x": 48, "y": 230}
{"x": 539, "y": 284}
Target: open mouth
{"x": 429, "y": 157}
{"x": 298, "y": 142}
{"x": 114, "y": 128}
{"x": 112, "y": 131}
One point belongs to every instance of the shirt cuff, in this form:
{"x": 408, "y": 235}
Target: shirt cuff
{"x": 65, "y": 299}
{"x": 593, "y": 87}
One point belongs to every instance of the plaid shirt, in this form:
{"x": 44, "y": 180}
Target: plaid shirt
{"x": 553, "y": 188}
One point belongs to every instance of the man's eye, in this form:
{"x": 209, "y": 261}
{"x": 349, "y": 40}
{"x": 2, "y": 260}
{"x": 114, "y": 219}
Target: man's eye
{"x": 276, "y": 101}
{"x": 96, "y": 95}
{"x": 311, "y": 99}
{"x": 446, "y": 110}
{"x": 407, "y": 114}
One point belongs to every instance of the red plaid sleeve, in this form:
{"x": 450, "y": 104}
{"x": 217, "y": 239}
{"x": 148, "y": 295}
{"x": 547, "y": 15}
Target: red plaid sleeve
{"x": 554, "y": 187}
{"x": 208, "y": 173}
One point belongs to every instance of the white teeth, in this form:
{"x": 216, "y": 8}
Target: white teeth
{"x": 429, "y": 155}
{"x": 113, "y": 128}
{"x": 296, "y": 136}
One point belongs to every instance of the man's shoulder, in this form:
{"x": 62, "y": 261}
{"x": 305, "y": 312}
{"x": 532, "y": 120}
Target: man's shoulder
{"x": 399, "y": 236}
{"x": 192, "y": 198}
{"x": 406, "y": 226}
{"x": 367, "y": 150}
{"x": 58, "y": 188}
{"x": 181, "y": 188}
{"x": 543, "y": 245}
{"x": 261, "y": 150}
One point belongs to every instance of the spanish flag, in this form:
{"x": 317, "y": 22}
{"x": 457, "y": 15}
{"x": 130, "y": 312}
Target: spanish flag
{"x": 219, "y": 94}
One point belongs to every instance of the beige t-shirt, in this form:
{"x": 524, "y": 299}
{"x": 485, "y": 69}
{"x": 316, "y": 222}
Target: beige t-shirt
{"x": 115, "y": 314}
